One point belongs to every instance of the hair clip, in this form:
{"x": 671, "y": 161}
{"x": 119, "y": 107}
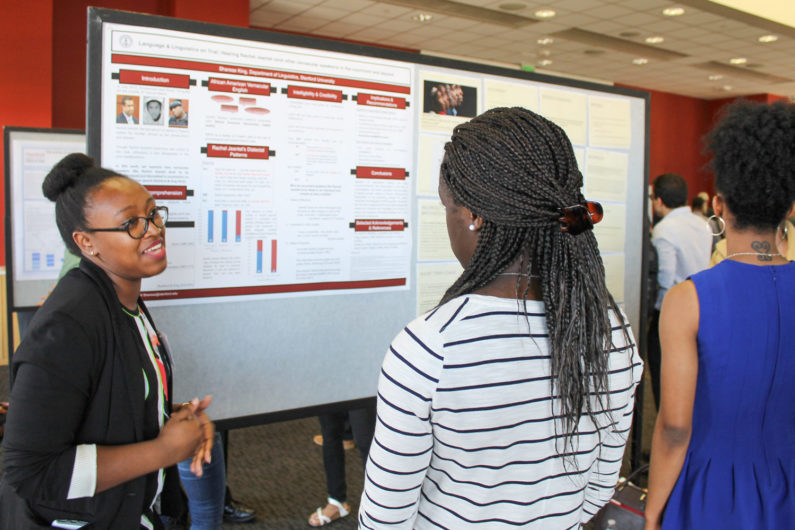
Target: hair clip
{"x": 578, "y": 218}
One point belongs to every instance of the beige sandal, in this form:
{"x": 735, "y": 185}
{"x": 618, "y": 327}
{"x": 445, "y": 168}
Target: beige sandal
{"x": 318, "y": 518}
{"x": 346, "y": 444}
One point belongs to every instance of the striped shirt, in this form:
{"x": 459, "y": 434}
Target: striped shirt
{"x": 466, "y": 437}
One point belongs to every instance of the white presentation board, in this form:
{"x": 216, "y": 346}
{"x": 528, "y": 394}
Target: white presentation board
{"x": 301, "y": 175}
{"x": 34, "y": 248}
{"x": 285, "y": 170}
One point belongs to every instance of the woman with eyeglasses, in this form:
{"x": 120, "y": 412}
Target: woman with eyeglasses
{"x": 92, "y": 436}
{"x": 723, "y": 451}
{"x": 509, "y": 404}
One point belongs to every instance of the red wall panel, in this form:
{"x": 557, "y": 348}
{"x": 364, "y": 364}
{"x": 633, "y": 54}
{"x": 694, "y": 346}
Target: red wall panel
{"x": 69, "y": 55}
{"x": 676, "y": 132}
{"x": 677, "y": 124}
{"x": 25, "y": 73}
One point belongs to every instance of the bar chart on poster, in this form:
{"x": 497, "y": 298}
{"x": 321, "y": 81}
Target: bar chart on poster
{"x": 304, "y": 228}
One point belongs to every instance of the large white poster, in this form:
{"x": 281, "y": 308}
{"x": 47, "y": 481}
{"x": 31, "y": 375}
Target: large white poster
{"x": 285, "y": 170}
{"x": 38, "y": 247}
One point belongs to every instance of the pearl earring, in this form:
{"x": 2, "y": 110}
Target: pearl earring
{"x": 472, "y": 227}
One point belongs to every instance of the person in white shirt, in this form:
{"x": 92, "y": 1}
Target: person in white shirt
{"x": 683, "y": 241}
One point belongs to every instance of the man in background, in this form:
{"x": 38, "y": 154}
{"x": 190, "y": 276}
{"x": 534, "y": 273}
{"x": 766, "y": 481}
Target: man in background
{"x": 699, "y": 207}
{"x": 683, "y": 242}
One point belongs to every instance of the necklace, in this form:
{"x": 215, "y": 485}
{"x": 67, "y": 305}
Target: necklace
{"x": 760, "y": 254}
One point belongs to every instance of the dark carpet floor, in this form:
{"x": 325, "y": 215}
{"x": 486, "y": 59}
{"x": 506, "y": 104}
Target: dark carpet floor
{"x": 278, "y": 470}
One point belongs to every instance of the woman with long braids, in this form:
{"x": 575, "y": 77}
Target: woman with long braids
{"x": 509, "y": 404}
{"x": 723, "y": 451}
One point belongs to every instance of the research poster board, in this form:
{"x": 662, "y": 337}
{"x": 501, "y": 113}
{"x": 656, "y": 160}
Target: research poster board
{"x": 34, "y": 248}
{"x": 305, "y": 229}
{"x": 285, "y": 170}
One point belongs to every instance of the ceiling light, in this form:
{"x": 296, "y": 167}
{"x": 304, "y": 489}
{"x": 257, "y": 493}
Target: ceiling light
{"x": 727, "y": 88}
{"x": 545, "y": 13}
{"x": 512, "y": 6}
{"x": 654, "y": 40}
{"x": 640, "y": 60}
{"x": 544, "y": 53}
{"x": 673, "y": 11}
{"x": 715, "y": 77}
{"x": 738, "y": 60}
{"x": 544, "y": 62}
{"x": 422, "y": 17}
{"x": 545, "y": 40}
{"x": 768, "y": 38}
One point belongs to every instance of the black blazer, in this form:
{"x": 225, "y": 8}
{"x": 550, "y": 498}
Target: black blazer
{"x": 76, "y": 379}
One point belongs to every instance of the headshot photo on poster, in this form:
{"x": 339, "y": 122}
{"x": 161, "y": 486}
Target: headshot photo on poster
{"x": 153, "y": 111}
{"x": 127, "y": 107}
{"x": 178, "y": 112}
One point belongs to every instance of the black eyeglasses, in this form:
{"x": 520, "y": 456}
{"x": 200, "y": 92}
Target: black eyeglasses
{"x": 137, "y": 226}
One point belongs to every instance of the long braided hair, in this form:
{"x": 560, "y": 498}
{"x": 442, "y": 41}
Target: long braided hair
{"x": 515, "y": 169}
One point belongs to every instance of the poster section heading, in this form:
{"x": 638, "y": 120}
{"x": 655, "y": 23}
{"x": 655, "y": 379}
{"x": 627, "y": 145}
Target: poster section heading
{"x": 286, "y": 170}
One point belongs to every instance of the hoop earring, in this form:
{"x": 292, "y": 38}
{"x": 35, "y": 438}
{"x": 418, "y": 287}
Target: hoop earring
{"x": 722, "y": 222}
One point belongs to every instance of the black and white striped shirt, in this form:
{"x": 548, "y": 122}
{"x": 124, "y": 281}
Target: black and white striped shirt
{"x": 466, "y": 435}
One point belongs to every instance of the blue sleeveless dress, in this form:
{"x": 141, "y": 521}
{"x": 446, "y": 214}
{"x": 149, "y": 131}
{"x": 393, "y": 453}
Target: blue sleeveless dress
{"x": 740, "y": 467}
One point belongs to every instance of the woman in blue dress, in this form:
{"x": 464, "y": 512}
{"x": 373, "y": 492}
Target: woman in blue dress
{"x": 723, "y": 452}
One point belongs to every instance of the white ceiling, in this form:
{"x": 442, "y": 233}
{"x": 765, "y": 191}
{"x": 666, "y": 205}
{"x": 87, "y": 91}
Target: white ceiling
{"x": 593, "y": 39}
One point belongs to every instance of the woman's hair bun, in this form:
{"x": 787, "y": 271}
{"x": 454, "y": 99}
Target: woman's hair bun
{"x": 65, "y": 173}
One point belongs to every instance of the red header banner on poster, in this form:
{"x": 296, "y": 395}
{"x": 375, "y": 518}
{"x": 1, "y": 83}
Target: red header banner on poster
{"x": 379, "y": 225}
{"x": 137, "y": 77}
{"x": 376, "y": 100}
{"x": 389, "y": 173}
{"x": 239, "y": 87}
{"x": 316, "y": 94}
{"x": 170, "y": 193}
{"x": 270, "y": 289}
{"x": 237, "y": 151}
